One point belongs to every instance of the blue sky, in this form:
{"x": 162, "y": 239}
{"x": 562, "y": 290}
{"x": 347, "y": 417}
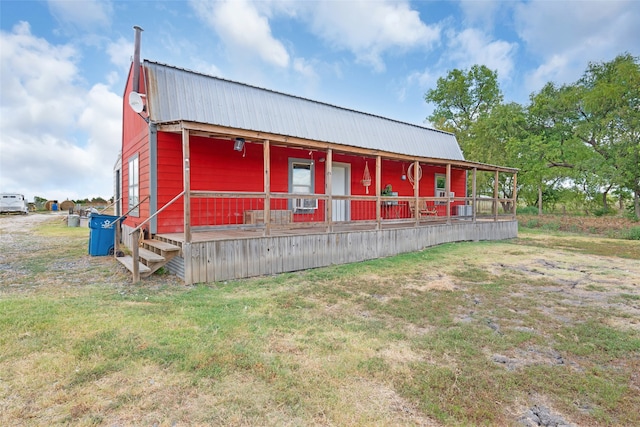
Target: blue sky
{"x": 64, "y": 63}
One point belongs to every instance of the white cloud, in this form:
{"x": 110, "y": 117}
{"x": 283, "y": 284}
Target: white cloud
{"x": 481, "y": 13}
{"x": 37, "y": 82}
{"x": 59, "y": 139}
{"x": 472, "y": 46}
{"x": 425, "y": 79}
{"x": 243, "y": 30}
{"x": 206, "y": 68}
{"x": 305, "y": 68}
{"x": 554, "y": 70}
{"x": 120, "y": 53}
{"x": 567, "y": 35}
{"x": 371, "y": 29}
{"x": 85, "y": 15}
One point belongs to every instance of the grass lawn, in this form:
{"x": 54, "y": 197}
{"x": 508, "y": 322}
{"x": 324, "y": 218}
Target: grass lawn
{"x": 466, "y": 333}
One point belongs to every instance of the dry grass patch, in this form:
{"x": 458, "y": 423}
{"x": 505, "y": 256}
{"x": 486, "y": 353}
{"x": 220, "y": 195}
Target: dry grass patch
{"x": 461, "y": 334}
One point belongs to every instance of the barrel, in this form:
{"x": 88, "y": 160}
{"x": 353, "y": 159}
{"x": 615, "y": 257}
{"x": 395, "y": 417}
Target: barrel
{"x": 73, "y": 221}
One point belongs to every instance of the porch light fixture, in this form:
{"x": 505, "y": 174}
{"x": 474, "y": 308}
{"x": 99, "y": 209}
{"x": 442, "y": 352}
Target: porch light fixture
{"x": 239, "y": 144}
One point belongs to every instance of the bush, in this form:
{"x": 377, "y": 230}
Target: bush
{"x": 602, "y": 211}
{"x": 527, "y": 210}
{"x": 632, "y": 234}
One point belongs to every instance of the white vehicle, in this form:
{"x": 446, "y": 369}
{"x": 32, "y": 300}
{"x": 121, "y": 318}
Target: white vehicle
{"x": 13, "y": 203}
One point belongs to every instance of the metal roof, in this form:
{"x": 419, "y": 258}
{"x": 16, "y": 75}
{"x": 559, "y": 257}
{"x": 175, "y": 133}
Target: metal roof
{"x": 175, "y": 94}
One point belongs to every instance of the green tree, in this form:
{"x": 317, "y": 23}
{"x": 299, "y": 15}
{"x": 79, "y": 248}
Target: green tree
{"x": 462, "y": 98}
{"x": 465, "y": 104}
{"x": 585, "y": 134}
{"x": 553, "y": 153}
{"x": 608, "y": 122}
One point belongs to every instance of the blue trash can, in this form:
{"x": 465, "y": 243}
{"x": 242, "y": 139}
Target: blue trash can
{"x": 101, "y": 234}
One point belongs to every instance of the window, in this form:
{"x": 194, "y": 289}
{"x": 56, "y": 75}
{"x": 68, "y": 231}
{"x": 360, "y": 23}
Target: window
{"x": 301, "y": 182}
{"x": 441, "y": 188}
{"x": 134, "y": 186}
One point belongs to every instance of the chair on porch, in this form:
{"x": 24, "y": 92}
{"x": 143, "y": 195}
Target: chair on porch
{"x": 424, "y": 209}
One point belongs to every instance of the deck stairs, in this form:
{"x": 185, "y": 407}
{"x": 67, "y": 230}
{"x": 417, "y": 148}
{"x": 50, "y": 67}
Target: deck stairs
{"x": 153, "y": 255}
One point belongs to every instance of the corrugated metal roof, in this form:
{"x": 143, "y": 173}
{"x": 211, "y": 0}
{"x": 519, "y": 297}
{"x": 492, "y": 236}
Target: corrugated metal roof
{"x": 175, "y": 94}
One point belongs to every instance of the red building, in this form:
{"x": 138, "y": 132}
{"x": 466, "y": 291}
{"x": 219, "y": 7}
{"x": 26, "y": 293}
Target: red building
{"x": 238, "y": 179}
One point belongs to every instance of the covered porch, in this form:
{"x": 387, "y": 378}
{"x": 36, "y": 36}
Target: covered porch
{"x": 235, "y": 234}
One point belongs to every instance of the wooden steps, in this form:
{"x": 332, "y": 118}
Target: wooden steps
{"x": 127, "y": 261}
{"x": 153, "y": 255}
{"x": 149, "y": 256}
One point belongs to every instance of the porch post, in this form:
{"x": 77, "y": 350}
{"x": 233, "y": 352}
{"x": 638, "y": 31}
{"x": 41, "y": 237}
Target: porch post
{"x": 447, "y": 189}
{"x": 416, "y": 191}
{"x": 474, "y": 195}
{"x": 378, "y": 196}
{"x": 266, "y": 155}
{"x": 136, "y": 257}
{"x": 495, "y": 195}
{"x": 118, "y": 237}
{"x": 186, "y": 247}
{"x": 515, "y": 194}
{"x": 328, "y": 189}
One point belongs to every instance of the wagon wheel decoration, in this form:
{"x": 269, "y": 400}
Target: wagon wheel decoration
{"x": 366, "y": 177}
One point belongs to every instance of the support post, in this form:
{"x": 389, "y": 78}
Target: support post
{"x": 447, "y": 189}
{"x": 515, "y": 194}
{"x": 186, "y": 248}
{"x": 378, "y": 195}
{"x": 328, "y": 189}
{"x": 474, "y": 193}
{"x": 135, "y": 256}
{"x": 117, "y": 238}
{"x": 496, "y": 183}
{"x": 416, "y": 191}
{"x": 266, "y": 155}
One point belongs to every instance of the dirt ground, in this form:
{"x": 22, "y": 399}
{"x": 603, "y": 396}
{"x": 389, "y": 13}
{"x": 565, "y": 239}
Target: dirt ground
{"x": 11, "y": 224}
{"x": 19, "y": 242}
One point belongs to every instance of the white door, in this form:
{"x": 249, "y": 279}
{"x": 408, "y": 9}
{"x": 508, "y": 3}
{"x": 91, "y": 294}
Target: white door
{"x": 340, "y": 179}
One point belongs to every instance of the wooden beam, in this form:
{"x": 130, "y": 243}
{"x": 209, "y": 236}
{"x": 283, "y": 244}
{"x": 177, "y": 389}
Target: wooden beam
{"x": 186, "y": 247}
{"x": 495, "y": 195}
{"x": 474, "y": 193}
{"x": 378, "y": 190}
{"x": 187, "y": 185}
{"x": 117, "y": 238}
{"x": 515, "y": 194}
{"x": 447, "y": 189}
{"x": 266, "y": 155}
{"x": 328, "y": 189}
{"x": 135, "y": 256}
{"x": 416, "y": 190}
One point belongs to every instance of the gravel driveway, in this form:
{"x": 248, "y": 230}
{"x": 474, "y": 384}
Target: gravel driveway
{"x": 56, "y": 259}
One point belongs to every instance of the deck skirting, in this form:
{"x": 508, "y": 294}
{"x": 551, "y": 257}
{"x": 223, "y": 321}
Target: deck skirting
{"x": 228, "y": 259}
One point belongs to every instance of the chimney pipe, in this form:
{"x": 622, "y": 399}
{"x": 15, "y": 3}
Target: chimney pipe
{"x": 136, "y": 59}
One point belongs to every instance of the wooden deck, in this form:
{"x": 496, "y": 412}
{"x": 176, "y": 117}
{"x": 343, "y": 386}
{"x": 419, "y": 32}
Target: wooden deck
{"x": 215, "y": 255}
{"x": 210, "y": 235}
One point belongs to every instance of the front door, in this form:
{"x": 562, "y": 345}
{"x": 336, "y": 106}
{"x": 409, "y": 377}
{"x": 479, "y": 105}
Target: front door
{"x": 340, "y": 179}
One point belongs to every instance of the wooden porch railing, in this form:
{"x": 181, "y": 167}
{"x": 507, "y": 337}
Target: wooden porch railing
{"x": 242, "y": 209}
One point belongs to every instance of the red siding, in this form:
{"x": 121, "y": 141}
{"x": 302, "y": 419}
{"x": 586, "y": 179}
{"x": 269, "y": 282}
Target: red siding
{"x": 215, "y": 166}
{"x": 135, "y": 140}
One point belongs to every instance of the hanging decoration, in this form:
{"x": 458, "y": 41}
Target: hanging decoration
{"x": 366, "y": 177}
{"x": 411, "y": 175}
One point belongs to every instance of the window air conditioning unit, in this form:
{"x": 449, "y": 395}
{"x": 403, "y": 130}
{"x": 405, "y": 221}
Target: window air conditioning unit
{"x": 441, "y": 193}
{"x": 305, "y": 204}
